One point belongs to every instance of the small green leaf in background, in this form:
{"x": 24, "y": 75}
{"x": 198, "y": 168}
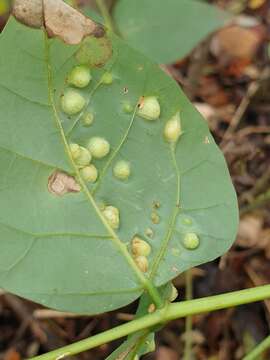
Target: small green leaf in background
{"x": 59, "y": 250}
{"x": 4, "y": 7}
{"x": 166, "y": 31}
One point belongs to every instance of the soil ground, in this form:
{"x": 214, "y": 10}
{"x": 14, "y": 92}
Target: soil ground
{"x": 227, "y": 78}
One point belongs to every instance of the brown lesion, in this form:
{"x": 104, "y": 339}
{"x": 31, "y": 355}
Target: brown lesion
{"x": 60, "y": 183}
{"x": 58, "y": 18}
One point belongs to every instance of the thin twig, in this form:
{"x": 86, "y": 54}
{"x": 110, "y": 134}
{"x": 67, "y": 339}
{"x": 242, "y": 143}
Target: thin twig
{"x": 52, "y": 314}
{"x": 259, "y": 350}
{"x": 257, "y": 281}
{"x": 250, "y": 130}
{"x": 24, "y": 315}
{"x": 251, "y": 91}
{"x": 259, "y": 201}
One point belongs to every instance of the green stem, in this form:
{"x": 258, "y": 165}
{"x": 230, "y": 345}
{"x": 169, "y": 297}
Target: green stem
{"x": 259, "y": 201}
{"x": 188, "y": 337}
{"x": 139, "y": 344}
{"x": 171, "y": 312}
{"x": 258, "y": 350}
{"x": 105, "y": 14}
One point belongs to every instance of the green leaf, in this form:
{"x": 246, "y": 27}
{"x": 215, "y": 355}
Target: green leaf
{"x": 166, "y": 31}
{"x": 59, "y": 250}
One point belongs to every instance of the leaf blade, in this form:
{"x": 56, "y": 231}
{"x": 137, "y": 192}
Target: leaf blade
{"x": 167, "y": 31}
{"x": 76, "y": 271}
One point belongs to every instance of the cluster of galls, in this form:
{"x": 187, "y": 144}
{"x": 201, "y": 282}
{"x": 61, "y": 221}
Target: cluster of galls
{"x": 72, "y": 101}
{"x": 140, "y": 251}
{"x": 97, "y": 147}
{"x": 149, "y": 109}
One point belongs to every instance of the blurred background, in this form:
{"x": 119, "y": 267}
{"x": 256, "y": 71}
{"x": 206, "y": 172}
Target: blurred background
{"x": 226, "y": 76}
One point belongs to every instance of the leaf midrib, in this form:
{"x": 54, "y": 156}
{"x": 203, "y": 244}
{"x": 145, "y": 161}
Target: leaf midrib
{"x": 175, "y": 212}
{"x": 116, "y": 240}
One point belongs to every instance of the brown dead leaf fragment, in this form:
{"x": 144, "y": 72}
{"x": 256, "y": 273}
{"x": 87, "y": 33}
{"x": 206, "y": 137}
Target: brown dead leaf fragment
{"x": 59, "y": 19}
{"x": 60, "y": 183}
{"x": 12, "y": 354}
{"x": 165, "y": 353}
{"x": 236, "y": 42}
{"x": 29, "y": 12}
{"x": 70, "y": 25}
{"x": 249, "y": 233}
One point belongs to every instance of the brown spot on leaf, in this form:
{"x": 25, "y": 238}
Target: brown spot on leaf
{"x": 141, "y": 102}
{"x": 60, "y": 183}
{"x": 58, "y": 18}
{"x": 236, "y": 42}
{"x": 99, "y": 31}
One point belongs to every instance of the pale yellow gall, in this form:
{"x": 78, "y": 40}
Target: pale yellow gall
{"x": 84, "y": 158}
{"x": 79, "y": 76}
{"x": 173, "y": 294}
{"x": 155, "y": 218}
{"x": 142, "y": 263}
{"x": 187, "y": 221}
{"x": 72, "y": 102}
{"x": 149, "y": 108}
{"x": 127, "y": 107}
{"x": 98, "y": 147}
{"x": 149, "y": 232}
{"x": 191, "y": 241}
{"x": 140, "y": 247}
{"x": 107, "y": 78}
{"x": 122, "y": 170}
{"x": 112, "y": 216}
{"x": 151, "y": 308}
{"x": 75, "y": 150}
{"x": 88, "y": 119}
{"x": 172, "y": 130}
{"x": 89, "y": 173}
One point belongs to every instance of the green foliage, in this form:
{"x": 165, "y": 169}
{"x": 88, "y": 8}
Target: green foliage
{"x": 59, "y": 250}
{"x": 166, "y": 30}
{"x": 141, "y": 342}
{"x": 4, "y": 7}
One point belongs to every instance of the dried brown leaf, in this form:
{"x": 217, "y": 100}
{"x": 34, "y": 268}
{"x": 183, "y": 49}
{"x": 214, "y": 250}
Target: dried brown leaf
{"x": 68, "y": 24}
{"x": 165, "y": 352}
{"x": 236, "y": 42}
{"x": 29, "y": 12}
{"x": 58, "y": 18}
{"x": 250, "y": 228}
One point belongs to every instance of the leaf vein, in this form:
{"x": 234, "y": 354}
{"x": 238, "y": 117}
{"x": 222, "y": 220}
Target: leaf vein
{"x": 115, "y": 152}
{"x": 29, "y": 158}
{"x": 24, "y": 97}
{"x": 164, "y": 244}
